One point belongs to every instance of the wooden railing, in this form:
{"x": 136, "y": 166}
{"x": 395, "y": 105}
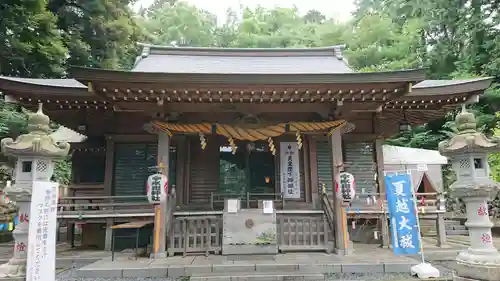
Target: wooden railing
{"x": 372, "y": 205}
{"x": 201, "y": 232}
{"x": 86, "y": 189}
{"x": 99, "y": 208}
{"x": 171, "y": 206}
{"x": 328, "y": 210}
{"x": 248, "y": 200}
{"x": 195, "y": 234}
{"x": 303, "y": 230}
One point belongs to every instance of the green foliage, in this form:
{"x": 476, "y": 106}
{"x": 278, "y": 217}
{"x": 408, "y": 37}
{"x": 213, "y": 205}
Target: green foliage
{"x": 450, "y": 38}
{"x": 62, "y": 171}
{"x": 30, "y": 44}
{"x": 100, "y": 34}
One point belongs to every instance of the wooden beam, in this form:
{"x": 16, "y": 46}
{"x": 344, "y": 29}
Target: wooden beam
{"x": 250, "y": 108}
{"x": 132, "y": 138}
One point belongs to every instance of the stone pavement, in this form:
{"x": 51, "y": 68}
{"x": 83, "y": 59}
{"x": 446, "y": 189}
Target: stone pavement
{"x": 366, "y": 259}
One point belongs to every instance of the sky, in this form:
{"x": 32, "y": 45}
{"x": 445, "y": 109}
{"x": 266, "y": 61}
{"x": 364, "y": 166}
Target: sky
{"x": 337, "y": 9}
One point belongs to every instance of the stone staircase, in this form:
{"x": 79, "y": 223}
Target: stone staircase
{"x": 453, "y": 228}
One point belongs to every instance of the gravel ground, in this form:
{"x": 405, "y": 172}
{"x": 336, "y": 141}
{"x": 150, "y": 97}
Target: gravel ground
{"x": 444, "y": 267}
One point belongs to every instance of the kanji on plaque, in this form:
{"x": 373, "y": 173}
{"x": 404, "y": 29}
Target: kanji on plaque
{"x": 486, "y": 238}
{"x": 156, "y": 188}
{"x": 482, "y": 210}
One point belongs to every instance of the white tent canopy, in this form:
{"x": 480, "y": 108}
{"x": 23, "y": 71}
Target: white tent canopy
{"x": 63, "y": 134}
{"x": 397, "y": 155}
{"x": 421, "y": 162}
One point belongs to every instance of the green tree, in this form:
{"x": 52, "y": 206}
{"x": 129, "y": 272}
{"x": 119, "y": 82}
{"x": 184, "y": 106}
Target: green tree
{"x": 100, "y": 34}
{"x": 30, "y": 44}
{"x": 376, "y": 42}
{"x": 179, "y": 24}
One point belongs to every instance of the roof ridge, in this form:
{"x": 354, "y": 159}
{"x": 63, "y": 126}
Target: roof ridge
{"x": 149, "y": 49}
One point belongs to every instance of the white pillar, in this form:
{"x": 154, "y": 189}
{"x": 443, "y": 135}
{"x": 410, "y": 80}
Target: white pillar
{"x": 479, "y": 224}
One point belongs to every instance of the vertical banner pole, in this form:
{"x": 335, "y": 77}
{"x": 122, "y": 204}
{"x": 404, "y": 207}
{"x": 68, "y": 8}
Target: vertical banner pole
{"x": 406, "y": 172}
{"x": 415, "y": 205}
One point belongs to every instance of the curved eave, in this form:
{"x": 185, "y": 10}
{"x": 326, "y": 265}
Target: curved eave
{"x": 39, "y": 87}
{"x": 437, "y": 94}
{"x": 449, "y": 87}
{"x": 85, "y": 75}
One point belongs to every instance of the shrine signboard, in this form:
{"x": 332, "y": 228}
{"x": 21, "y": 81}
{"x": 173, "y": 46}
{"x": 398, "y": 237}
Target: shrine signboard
{"x": 290, "y": 170}
{"x": 41, "y": 263}
{"x": 157, "y": 188}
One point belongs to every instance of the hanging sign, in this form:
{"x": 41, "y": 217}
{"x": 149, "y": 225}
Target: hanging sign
{"x": 41, "y": 244}
{"x": 157, "y": 188}
{"x": 290, "y": 170}
{"x": 345, "y": 186}
{"x": 402, "y": 213}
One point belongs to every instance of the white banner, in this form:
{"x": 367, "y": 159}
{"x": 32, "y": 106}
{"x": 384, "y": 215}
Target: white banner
{"x": 41, "y": 263}
{"x": 290, "y": 170}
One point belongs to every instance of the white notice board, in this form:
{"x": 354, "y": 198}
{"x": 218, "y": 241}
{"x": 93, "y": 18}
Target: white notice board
{"x": 41, "y": 263}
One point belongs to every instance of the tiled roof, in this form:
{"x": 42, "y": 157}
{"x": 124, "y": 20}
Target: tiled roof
{"x": 445, "y": 83}
{"x": 61, "y": 83}
{"x": 242, "y": 61}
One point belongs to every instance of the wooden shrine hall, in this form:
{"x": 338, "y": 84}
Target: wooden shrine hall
{"x": 235, "y": 123}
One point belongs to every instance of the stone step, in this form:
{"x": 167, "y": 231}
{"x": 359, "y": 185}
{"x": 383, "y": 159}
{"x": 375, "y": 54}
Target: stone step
{"x": 248, "y": 269}
{"x": 457, "y": 232}
{"x": 262, "y": 277}
{"x": 311, "y": 277}
{"x": 242, "y": 269}
{"x": 430, "y": 234}
{"x": 453, "y": 222}
{"x": 455, "y": 227}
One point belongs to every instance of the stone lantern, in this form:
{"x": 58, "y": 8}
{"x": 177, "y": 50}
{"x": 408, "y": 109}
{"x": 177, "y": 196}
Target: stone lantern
{"x": 468, "y": 151}
{"x": 35, "y": 153}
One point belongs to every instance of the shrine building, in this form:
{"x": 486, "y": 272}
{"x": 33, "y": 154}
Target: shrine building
{"x": 236, "y": 123}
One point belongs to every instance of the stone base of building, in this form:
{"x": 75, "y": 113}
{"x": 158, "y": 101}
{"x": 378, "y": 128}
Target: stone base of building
{"x": 479, "y": 272}
{"x": 13, "y": 268}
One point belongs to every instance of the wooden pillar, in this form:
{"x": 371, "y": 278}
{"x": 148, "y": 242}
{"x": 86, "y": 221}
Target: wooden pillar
{"x": 441, "y": 231}
{"x": 109, "y": 165}
{"x": 315, "y": 196}
{"x": 342, "y": 245}
{"x": 108, "y": 186}
{"x": 383, "y": 223}
{"x": 160, "y": 220}
{"x": 307, "y": 170}
{"x": 182, "y": 145}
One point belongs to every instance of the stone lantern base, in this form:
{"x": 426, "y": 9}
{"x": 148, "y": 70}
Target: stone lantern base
{"x": 476, "y": 272}
{"x": 13, "y": 268}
